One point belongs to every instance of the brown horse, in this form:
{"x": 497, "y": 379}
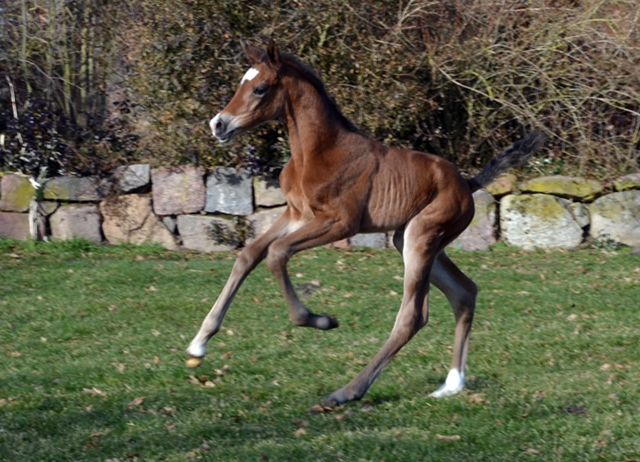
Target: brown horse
{"x": 339, "y": 182}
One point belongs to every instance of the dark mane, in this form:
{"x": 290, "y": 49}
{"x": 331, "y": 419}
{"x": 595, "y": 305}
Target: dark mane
{"x": 313, "y": 78}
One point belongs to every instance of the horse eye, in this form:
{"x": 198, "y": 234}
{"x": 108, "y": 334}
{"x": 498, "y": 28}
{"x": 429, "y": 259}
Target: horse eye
{"x": 261, "y": 90}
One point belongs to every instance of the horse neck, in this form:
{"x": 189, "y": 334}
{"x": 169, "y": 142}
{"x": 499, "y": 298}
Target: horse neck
{"x": 313, "y": 123}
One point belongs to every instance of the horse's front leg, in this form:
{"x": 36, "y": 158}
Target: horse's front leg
{"x": 247, "y": 260}
{"x": 319, "y": 231}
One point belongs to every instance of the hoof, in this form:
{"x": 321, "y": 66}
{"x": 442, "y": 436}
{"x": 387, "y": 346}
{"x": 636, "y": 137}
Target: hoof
{"x": 333, "y": 321}
{"x": 329, "y": 402}
{"x": 338, "y": 398}
{"x": 443, "y": 392}
{"x": 327, "y": 322}
{"x": 193, "y": 362}
{"x": 453, "y": 385}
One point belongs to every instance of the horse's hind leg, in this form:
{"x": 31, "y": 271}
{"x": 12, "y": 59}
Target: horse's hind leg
{"x": 461, "y": 292}
{"x": 247, "y": 260}
{"x": 419, "y": 253}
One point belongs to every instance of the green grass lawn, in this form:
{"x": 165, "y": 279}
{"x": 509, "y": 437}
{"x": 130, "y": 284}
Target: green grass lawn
{"x": 92, "y": 356}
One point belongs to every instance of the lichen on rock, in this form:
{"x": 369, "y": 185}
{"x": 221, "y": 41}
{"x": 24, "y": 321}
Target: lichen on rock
{"x": 564, "y": 186}
{"x": 627, "y": 182}
{"x": 538, "y": 221}
{"x": 17, "y": 193}
{"x": 616, "y": 217}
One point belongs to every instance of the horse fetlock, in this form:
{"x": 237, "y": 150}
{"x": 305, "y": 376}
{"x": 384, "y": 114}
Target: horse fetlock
{"x": 341, "y": 396}
{"x": 301, "y": 320}
{"x": 317, "y": 321}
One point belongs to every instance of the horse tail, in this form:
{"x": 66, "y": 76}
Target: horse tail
{"x": 514, "y": 156}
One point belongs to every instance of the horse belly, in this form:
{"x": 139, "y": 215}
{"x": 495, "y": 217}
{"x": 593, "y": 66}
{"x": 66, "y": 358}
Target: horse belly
{"x": 393, "y": 201}
{"x": 388, "y": 213}
{"x": 382, "y": 221}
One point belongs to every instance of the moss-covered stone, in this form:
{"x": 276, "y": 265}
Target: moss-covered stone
{"x": 17, "y": 193}
{"x": 564, "y": 186}
{"x": 580, "y": 213}
{"x": 538, "y": 221}
{"x": 47, "y": 208}
{"x": 67, "y": 188}
{"x": 616, "y": 217}
{"x": 481, "y": 232}
{"x": 627, "y": 182}
{"x": 540, "y": 205}
{"x": 504, "y": 184}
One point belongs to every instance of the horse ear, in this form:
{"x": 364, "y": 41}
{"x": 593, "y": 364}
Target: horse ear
{"x": 273, "y": 54}
{"x": 255, "y": 54}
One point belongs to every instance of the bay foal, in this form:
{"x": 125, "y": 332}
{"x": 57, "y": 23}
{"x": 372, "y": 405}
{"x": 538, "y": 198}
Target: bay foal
{"x": 339, "y": 182}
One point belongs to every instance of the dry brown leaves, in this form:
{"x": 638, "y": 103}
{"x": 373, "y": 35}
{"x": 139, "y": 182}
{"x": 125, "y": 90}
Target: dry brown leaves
{"x": 478, "y": 398}
{"x": 95, "y": 391}
{"x": 203, "y": 380}
{"x": 300, "y": 432}
{"x": 320, "y": 409}
{"x": 136, "y": 402}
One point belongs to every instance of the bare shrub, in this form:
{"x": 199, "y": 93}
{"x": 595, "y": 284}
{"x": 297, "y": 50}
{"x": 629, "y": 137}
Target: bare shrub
{"x": 567, "y": 66}
{"x": 55, "y": 72}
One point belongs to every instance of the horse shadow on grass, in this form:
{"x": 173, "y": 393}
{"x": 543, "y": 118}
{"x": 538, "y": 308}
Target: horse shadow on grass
{"x": 111, "y": 429}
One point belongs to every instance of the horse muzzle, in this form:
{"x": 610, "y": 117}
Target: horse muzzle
{"x": 222, "y": 128}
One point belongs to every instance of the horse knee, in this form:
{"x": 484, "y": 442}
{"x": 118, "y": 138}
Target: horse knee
{"x": 276, "y": 258}
{"x": 245, "y": 262}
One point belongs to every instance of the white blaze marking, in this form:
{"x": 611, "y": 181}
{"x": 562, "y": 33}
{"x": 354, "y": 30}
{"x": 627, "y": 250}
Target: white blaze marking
{"x": 250, "y": 75}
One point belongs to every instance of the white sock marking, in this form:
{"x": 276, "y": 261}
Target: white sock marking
{"x": 197, "y": 350}
{"x": 249, "y": 75}
{"x": 452, "y": 385}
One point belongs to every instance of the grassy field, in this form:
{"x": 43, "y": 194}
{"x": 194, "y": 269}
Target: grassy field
{"x": 92, "y": 346}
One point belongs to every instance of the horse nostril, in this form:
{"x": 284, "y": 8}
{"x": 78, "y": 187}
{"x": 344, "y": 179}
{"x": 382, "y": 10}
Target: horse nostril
{"x": 220, "y": 128}
{"x": 216, "y": 125}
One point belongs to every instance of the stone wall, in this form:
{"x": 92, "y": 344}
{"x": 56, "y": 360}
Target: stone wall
{"x": 188, "y": 208}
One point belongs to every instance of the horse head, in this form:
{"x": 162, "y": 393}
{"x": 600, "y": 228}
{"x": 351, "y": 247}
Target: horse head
{"x": 259, "y": 97}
